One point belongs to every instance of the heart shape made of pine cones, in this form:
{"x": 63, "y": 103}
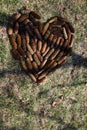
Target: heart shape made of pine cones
{"x": 41, "y": 47}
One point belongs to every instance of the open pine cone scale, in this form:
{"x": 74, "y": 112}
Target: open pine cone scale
{"x": 40, "y": 47}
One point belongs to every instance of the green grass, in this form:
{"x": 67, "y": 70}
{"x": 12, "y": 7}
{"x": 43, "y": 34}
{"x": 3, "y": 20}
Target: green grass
{"x": 67, "y": 89}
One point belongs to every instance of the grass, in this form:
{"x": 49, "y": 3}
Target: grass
{"x": 28, "y": 106}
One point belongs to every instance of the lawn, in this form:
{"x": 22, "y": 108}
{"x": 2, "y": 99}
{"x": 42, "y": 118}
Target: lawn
{"x": 60, "y": 102}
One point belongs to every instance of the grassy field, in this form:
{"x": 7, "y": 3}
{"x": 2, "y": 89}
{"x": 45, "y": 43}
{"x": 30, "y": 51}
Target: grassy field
{"x": 59, "y": 103}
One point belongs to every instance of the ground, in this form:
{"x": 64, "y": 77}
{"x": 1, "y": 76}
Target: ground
{"x": 59, "y": 103}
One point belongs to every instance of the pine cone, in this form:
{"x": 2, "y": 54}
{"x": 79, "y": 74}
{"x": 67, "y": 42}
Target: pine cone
{"x": 40, "y": 47}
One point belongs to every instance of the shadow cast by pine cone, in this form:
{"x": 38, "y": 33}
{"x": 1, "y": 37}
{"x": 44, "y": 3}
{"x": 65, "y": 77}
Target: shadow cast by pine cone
{"x": 79, "y": 60}
{"x": 3, "y": 19}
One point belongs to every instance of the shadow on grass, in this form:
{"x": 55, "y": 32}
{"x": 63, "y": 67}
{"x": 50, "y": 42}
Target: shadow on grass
{"x": 3, "y": 19}
{"x": 78, "y": 60}
{"x": 5, "y": 71}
